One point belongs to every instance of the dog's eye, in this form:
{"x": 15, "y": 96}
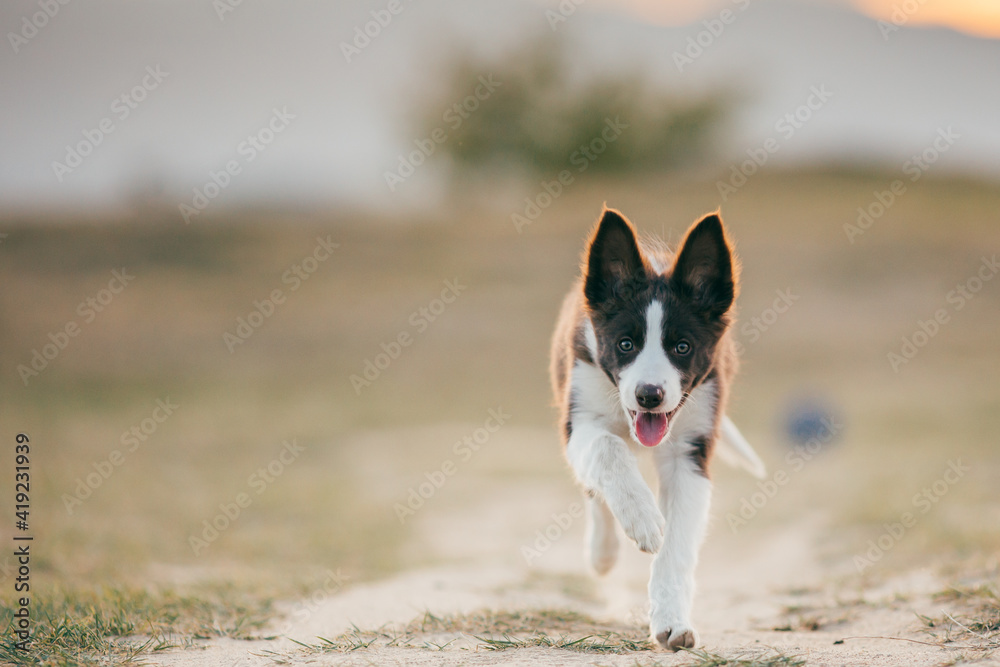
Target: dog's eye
{"x": 682, "y": 348}
{"x": 626, "y": 345}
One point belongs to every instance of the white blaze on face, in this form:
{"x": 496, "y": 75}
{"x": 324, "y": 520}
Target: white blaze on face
{"x": 651, "y": 366}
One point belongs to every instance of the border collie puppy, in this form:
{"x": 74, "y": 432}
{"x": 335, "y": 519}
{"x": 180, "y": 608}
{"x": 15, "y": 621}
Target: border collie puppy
{"x": 642, "y": 355}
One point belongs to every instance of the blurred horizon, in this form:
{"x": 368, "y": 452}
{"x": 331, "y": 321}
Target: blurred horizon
{"x": 209, "y": 81}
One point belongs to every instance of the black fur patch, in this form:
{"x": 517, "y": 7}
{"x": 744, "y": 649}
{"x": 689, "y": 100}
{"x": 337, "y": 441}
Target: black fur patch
{"x": 625, "y": 316}
{"x": 580, "y": 350}
{"x": 568, "y": 425}
{"x": 701, "y": 450}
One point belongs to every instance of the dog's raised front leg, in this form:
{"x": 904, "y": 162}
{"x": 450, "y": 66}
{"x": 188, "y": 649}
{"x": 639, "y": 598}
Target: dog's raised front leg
{"x": 603, "y": 463}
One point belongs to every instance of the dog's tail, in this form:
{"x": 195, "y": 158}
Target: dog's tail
{"x": 736, "y": 451}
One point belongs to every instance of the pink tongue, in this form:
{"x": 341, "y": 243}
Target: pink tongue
{"x": 650, "y": 427}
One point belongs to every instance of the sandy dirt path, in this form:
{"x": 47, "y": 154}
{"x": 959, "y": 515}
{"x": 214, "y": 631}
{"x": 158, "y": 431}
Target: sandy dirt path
{"x": 742, "y": 603}
{"x": 761, "y": 593}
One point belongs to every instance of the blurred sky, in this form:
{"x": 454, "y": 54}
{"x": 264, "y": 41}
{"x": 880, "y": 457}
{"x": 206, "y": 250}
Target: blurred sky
{"x": 228, "y": 73}
{"x": 976, "y": 17}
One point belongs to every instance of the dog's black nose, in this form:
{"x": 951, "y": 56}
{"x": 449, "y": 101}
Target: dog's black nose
{"x": 649, "y": 396}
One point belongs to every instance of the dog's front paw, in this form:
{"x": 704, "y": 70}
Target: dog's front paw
{"x": 676, "y": 638}
{"x": 642, "y": 522}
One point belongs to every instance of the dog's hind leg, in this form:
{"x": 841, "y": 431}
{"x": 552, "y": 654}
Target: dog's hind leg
{"x": 602, "y": 540}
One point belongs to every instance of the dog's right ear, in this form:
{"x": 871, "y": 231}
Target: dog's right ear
{"x": 612, "y": 258}
{"x": 705, "y": 267}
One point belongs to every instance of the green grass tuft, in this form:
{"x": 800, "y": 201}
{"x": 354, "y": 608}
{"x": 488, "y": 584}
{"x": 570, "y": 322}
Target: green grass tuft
{"x": 119, "y": 625}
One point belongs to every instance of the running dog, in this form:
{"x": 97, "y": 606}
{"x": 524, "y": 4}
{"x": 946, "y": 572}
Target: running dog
{"x": 643, "y": 355}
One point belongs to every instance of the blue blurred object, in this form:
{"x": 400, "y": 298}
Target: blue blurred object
{"x": 812, "y": 422}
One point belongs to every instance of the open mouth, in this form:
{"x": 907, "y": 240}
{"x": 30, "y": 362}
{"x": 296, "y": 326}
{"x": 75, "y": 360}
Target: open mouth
{"x": 650, "y": 427}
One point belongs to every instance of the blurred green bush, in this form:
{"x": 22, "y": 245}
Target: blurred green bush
{"x": 543, "y": 110}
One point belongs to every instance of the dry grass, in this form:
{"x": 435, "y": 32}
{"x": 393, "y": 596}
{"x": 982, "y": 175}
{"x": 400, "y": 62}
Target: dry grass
{"x": 496, "y": 631}
{"x": 763, "y": 658}
{"x": 973, "y": 623}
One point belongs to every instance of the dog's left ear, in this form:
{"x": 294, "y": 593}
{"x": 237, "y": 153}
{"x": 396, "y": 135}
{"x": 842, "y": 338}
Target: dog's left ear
{"x": 613, "y": 258}
{"x": 705, "y": 267}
